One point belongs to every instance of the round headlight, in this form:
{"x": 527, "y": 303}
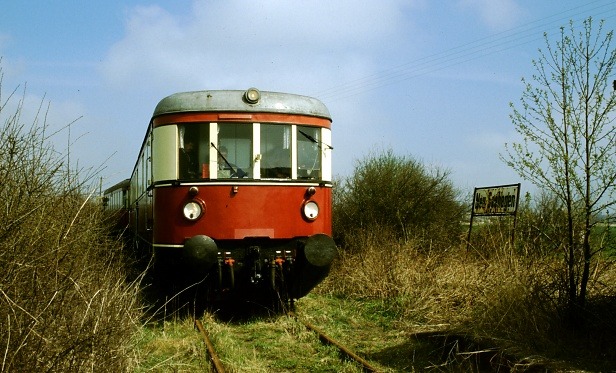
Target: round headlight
{"x": 192, "y": 210}
{"x": 311, "y": 210}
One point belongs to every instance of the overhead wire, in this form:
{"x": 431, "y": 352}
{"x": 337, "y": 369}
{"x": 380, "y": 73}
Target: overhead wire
{"x": 527, "y": 33}
{"x": 437, "y": 61}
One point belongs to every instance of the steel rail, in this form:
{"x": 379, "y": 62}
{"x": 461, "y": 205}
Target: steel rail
{"x": 328, "y": 340}
{"x": 218, "y": 367}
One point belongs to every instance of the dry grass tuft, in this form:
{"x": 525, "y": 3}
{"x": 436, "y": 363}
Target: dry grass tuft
{"x": 64, "y": 302}
{"x": 168, "y": 346}
{"x": 505, "y": 299}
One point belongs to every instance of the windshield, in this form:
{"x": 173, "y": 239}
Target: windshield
{"x": 308, "y": 153}
{"x": 234, "y": 150}
{"x": 275, "y": 151}
{"x": 250, "y": 150}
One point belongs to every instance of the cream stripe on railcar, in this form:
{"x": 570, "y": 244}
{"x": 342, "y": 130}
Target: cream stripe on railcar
{"x": 165, "y": 153}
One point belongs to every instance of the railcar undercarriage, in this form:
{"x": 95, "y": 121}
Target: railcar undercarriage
{"x": 260, "y": 269}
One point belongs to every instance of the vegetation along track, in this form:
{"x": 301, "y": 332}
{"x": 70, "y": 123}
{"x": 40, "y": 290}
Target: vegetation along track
{"x": 247, "y": 361}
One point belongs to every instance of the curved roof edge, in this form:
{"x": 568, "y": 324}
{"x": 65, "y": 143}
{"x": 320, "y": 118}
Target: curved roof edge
{"x": 234, "y": 100}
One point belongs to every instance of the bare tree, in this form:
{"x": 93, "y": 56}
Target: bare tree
{"x": 568, "y": 147}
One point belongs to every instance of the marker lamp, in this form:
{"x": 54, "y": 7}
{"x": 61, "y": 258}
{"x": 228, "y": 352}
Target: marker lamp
{"x": 252, "y": 95}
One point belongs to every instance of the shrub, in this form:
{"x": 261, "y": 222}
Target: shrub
{"x": 64, "y": 303}
{"x": 400, "y": 195}
{"x": 506, "y": 302}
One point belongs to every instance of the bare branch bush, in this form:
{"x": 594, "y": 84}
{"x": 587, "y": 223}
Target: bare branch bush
{"x": 64, "y": 302}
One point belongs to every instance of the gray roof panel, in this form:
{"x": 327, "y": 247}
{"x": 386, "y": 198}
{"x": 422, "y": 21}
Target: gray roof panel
{"x": 234, "y": 101}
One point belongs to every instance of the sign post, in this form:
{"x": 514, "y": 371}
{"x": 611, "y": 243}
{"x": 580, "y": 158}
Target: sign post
{"x": 501, "y": 200}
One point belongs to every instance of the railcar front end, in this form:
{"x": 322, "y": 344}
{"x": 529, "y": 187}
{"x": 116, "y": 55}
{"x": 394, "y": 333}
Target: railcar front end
{"x": 233, "y": 189}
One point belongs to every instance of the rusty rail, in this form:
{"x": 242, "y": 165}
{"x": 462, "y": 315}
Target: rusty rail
{"x": 210, "y": 348}
{"x": 328, "y": 340}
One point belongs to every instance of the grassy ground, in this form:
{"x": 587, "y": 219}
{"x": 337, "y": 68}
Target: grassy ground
{"x": 406, "y": 310}
{"x": 169, "y": 346}
{"x": 280, "y": 344}
{"x": 253, "y": 344}
{"x": 376, "y": 332}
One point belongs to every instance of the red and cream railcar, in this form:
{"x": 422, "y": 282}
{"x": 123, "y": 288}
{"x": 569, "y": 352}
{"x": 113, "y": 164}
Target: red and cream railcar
{"x": 235, "y": 188}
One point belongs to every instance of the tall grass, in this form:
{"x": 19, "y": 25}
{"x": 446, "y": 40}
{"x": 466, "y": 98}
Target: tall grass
{"x": 399, "y": 230}
{"x": 64, "y": 302}
{"x": 502, "y": 297}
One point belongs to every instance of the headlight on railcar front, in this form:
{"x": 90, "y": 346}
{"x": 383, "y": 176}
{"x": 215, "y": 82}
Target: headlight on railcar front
{"x": 310, "y": 210}
{"x": 192, "y": 210}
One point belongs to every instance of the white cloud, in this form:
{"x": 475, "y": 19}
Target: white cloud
{"x": 300, "y": 47}
{"x": 333, "y": 50}
{"x": 499, "y": 15}
{"x": 278, "y": 45}
{"x": 320, "y": 25}
{"x": 12, "y": 69}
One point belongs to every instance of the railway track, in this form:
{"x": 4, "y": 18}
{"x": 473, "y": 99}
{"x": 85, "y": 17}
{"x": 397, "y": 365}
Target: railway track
{"x": 218, "y": 367}
{"x": 344, "y": 350}
{"x": 214, "y": 359}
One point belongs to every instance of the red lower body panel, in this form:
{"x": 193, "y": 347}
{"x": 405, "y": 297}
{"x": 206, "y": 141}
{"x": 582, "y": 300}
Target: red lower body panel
{"x": 239, "y": 211}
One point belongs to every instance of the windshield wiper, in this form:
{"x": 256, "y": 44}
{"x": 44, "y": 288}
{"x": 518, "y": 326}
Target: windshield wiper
{"x": 315, "y": 140}
{"x": 224, "y": 159}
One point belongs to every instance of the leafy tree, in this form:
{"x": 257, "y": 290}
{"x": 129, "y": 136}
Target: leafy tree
{"x": 568, "y": 147}
{"x": 398, "y": 194}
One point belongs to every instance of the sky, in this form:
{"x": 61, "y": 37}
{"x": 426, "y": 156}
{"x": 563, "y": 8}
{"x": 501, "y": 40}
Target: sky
{"x": 428, "y": 79}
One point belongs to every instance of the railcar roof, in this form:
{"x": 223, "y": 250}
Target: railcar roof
{"x": 234, "y": 101}
{"x": 121, "y": 185}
